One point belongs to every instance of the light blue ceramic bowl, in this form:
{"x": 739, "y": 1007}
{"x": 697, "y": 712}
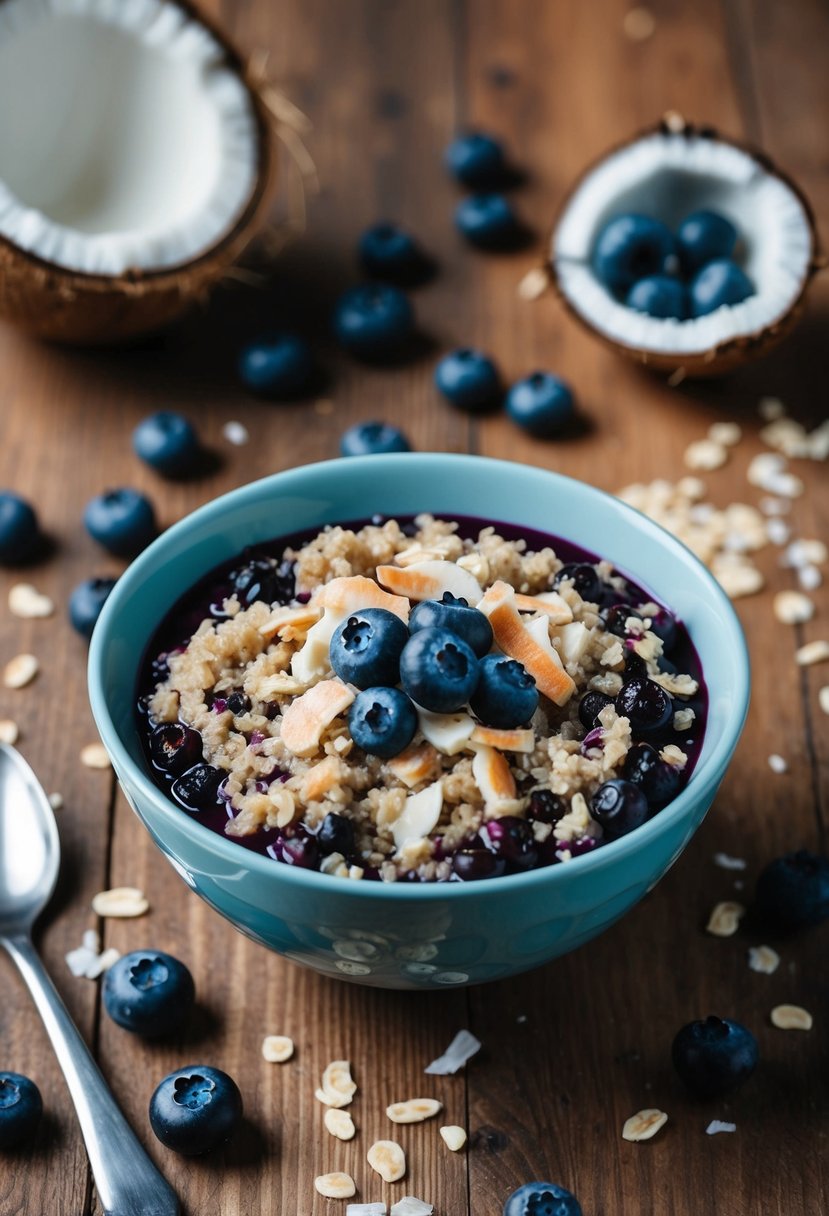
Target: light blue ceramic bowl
{"x": 424, "y": 936}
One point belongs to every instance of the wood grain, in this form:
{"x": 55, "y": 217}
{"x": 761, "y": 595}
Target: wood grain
{"x": 574, "y": 1048}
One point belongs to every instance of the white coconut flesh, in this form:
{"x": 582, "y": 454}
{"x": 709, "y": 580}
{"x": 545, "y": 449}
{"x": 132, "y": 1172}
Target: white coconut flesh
{"x": 668, "y": 176}
{"x": 127, "y": 141}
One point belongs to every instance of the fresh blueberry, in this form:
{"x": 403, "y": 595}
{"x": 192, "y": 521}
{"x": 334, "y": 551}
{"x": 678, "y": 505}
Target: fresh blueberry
{"x": 506, "y": 696}
{"x": 541, "y": 403}
{"x": 238, "y": 703}
{"x": 488, "y": 221}
{"x": 374, "y": 321}
{"x": 472, "y": 864}
{"x": 148, "y": 992}
{"x": 793, "y": 891}
{"x": 702, "y": 237}
{"x": 616, "y": 618}
{"x": 453, "y": 613}
{"x": 714, "y": 1055}
{"x": 263, "y": 579}
{"x": 659, "y": 295}
{"x": 584, "y": 578}
{"x": 717, "y": 284}
{"x": 631, "y": 247}
{"x": 469, "y": 380}
{"x": 280, "y": 367}
{"x": 511, "y": 839}
{"x": 542, "y": 1199}
{"x": 198, "y": 788}
{"x": 546, "y": 807}
{"x": 619, "y": 806}
{"x": 390, "y": 253}
{"x": 123, "y": 521}
{"x": 168, "y": 443}
{"x": 366, "y": 647}
{"x": 590, "y": 706}
{"x": 175, "y": 748}
{"x": 336, "y": 835}
{"x": 659, "y": 781}
{"x": 646, "y": 705}
{"x": 438, "y": 670}
{"x": 373, "y": 439}
{"x": 20, "y": 1109}
{"x": 476, "y": 160}
{"x": 19, "y": 531}
{"x": 299, "y": 849}
{"x": 195, "y": 1109}
{"x": 382, "y": 721}
{"x": 86, "y": 602}
{"x": 663, "y": 624}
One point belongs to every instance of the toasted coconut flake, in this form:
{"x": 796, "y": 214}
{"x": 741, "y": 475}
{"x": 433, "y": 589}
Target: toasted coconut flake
{"x": 95, "y": 755}
{"x": 705, "y": 455}
{"x": 9, "y": 731}
{"x": 277, "y": 1048}
{"x": 27, "y": 602}
{"x": 725, "y": 919}
{"x": 793, "y": 607}
{"x": 290, "y": 620}
{"x": 449, "y": 733}
{"x": 335, "y": 1186}
{"x": 763, "y": 959}
{"x": 419, "y": 816}
{"x": 429, "y": 580}
{"x": 414, "y": 1110}
{"x": 20, "y": 671}
{"x": 453, "y": 1137}
{"x": 504, "y": 740}
{"x": 305, "y": 719}
{"x": 644, "y": 1125}
{"x": 416, "y": 763}
{"x": 551, "y": 603}
{"x": 494, "y": 779}
{"x": 791, "y": 1017}
{"x": 387, "y": 1158}
{"x": 717, "y": 1125}
{"x": 339, "y": 1123}
{"x": 812, "y": 652}
{"x": 513, "y": 638}
{"x": 355, "y": 592}
{"x": 462, "y": 1048}
{"x": 120, "y": 903}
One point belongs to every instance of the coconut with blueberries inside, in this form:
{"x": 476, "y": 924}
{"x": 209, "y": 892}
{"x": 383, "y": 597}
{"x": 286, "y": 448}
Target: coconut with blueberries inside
{"x": 685, "y": 251}
{"x": 139, "y": 163}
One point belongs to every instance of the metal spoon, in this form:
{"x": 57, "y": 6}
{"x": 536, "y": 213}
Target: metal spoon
{"x": 127, "y": 1182}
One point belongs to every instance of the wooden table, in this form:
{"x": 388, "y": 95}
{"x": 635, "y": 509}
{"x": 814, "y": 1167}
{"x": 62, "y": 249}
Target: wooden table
{"x": 572, "y": 1049}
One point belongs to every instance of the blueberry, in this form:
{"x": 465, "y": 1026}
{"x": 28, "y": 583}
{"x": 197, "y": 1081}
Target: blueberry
{"x": 476, "y": 160}
{"x": 280, "y": 367}
{"x": 86, "y": 602}
{"x": 454, "y": 613}
{"x": 469, "y": 380}
{"x": 168, "y": 443}
{"x": 714, "y": 1055}
{"x": 646, "y": 705}
{"x": 590, "y": 706}
{"x": 793, "y": 891}
{"x": 717, "y": 284}
{"x": 541, "y": 403}
{"x": 438, "y": 670}
{"x": 374, "y": 321}
{"x": 175, "y": 748}
{"x": 300, "y": 850}
{"x": 390, "y": 253}
{"x": 20, "y": 1109}
{"x": 542, "y": 1199}
{"x": 473, "y": 864}
{"x": 584, "y": 578}
{"x": 702, "y": 237}
{"x": 663, "y": 624}
{"x": 195, "y": 1109}
{"x": 336, "y": 835}
{"x": 238, "y": 703}
{"x": 659, "y": 781}
{"x": 616, "y": 618}
{"x": 197, "y": 789}
{"x": 19, "y": 531}
{"x": 511, "y": 839}
{"x": 373, "y": 439}
{"x": 382, "y": 721}
{"x": 123, "y": 521}
{"x": 506, "y": 695}
{"x": 148, "y": 992}
{"x": 366, "y": 647}
{"x": 488, "y": 221}
{"x": 263, "y": 579}
{"x": 619, "y": 806}
{"x": 546, "y": 807}
{"x": 631, "y": 247}
{"x": 659, "y": 295}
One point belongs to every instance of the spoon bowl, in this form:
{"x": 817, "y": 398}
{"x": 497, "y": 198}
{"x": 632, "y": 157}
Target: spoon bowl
{"x": 29, "y": 844}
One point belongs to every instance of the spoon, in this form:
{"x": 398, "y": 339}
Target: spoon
{"x": 127, "y": 1182}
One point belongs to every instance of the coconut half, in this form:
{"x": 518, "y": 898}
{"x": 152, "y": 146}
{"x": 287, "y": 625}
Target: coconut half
{"x": 668, "y": 173}
{"x": 136, "y": 160}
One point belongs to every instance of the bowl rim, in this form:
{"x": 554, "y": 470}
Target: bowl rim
{"x": 705, "y": 778}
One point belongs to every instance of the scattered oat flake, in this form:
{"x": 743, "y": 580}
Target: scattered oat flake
{"x": 809, "y": 578}
{"x": 725, "y": 433}
{"x": 120, "y": 903}
{"x": 812, "y": 652}
{"x": 777, "y": 530}
{"x": 56, "y": 801}
{"x": 791, "y": 1017}
{"x": 277, "y": 1048}
{"x": 534, "y": 283}
{"x": 639, "y": 24}
{"x": 102, "y": 963}
{"x": 777, "y": 764}
{"x": 339, "y": 1123}
{"x": 453, "y": 1137}
{"x": 462, "y": 1048}
{"x": 793, "y": 607}
{"x": 27, "y": 602}
{"x": 805, "y": 553}
{"x": 644, "y": 1125}
{"x": 78, "y": 960}
{"x": 414, "y": 1110}
{"x": 763, "y": 959}
{"x": 725, "y": 919}
{"x": 92, "y": 940}
{"x": 387, "y": 1158}
{"x": 823, "y": 698}
{"x": 774, "y": 506}
{"x": 236, "y": 433}
{"x": 335, "y": 1186}
{"x": 705, "y": 455}
{"x": 729, "y": 863}
{"x": 410, "y": 1206}
{"x": 95, "y": 755}
{"x": 338, "y": 1087}
{"x": 9, "y": 731}
{"x": 20, "y": 671}
{"x": 717, "y": 1125}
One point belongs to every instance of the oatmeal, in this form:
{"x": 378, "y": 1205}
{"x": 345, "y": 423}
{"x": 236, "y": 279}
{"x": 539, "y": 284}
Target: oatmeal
{"x": 421, "y": 700}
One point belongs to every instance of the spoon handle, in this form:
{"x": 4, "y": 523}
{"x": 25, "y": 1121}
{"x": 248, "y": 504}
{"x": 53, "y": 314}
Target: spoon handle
{"x": 127, "y": 1182}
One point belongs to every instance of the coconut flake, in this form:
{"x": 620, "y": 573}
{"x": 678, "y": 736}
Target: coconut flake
{"x": 718, "y": 1125}
{"x": 462, "y": 1048}
{"x": 366, "y": 1209}
{"x": 729, "y": 863}
{"x": 777, "y": 764}
{"x": 410, "y": 1206}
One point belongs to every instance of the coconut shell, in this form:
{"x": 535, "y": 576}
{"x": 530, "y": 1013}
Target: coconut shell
{"x": 726, "y": 356}
{"x": 67, "y": 306}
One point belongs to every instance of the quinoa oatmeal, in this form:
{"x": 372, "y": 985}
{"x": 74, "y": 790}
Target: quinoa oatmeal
{"x": 581, "y": 714}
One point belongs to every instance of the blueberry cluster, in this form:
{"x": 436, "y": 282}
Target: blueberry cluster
{"x": 540, "y": 403}
{"x": 684, "y": 274}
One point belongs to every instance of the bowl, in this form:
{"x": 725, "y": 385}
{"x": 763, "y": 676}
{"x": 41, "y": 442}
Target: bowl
{"x": 426, "y": 936}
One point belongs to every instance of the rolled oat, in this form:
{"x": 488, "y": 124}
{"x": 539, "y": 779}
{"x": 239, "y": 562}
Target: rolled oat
{"x": 763, "y": 959}
{"x": 644, "y": 1125}
{"x": 725, "y": 919}
{"x": 823, "y": 698}
{"x": 120, "y": 903}
{"x": 777, "y": 764}
{"x": 725, "y": 433}
{"x": 27, "y": 602}
{"x": 793, "y": 607}
{"x": 414, "y": 1110}
{"x": 9, "y": 731}
{"x": 277, "y": 1048}
{"x": 338, "y": 1086}
{"x": 791, "y": 1017}
{"x": 339, "y": 1123}
{"x": 812, "y": 652}
{"x": 335, "y": 1186}
{"x": 705, "y": 455}
{"x": 95, "y": 755}
{"x": 20, "y": 671}
{"x": 387, "y": 1158}
{"x": 453, "y": 1137}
